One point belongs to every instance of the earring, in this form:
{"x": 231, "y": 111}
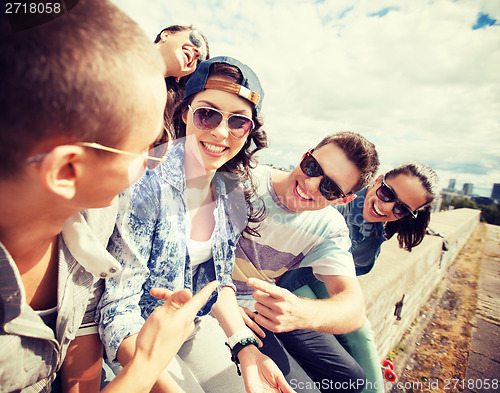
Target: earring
{"x": 163, "y": 40}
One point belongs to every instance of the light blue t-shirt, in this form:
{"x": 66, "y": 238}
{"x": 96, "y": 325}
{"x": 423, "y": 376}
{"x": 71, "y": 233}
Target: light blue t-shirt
{"x": 289, "y": 240}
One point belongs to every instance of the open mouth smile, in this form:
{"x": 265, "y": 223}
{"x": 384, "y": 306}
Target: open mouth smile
{"x": 214, "y": 149}
{"x": 377, "y": 211}
{"x": 301, "y": 193}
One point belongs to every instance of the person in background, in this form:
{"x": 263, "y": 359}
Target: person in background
{"x": 178, "y": 227}
{"x": 398, "y": 202}
{"x": 302, "y": 229}
{"x": 182, "y": 48}
{"x": 82, "y": 99}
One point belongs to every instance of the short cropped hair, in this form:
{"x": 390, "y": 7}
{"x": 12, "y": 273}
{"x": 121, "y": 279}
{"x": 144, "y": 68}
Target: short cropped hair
{"x": 359, "y": 151}
{"x": 68, "y": 79}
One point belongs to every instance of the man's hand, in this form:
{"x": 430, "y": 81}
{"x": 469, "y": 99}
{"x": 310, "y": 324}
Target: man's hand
{"x": 158, "y": 341}
{"x": 278, "y": 309}
{"x": 169, "y": 325}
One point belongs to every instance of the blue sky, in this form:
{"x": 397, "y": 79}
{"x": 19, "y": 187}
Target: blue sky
{"x": 419, "y": 79}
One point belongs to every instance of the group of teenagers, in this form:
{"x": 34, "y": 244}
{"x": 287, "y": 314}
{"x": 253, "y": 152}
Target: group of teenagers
{"x": 143, "y": 248}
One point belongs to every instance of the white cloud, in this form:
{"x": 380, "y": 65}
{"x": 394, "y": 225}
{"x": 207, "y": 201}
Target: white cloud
{"x": 418, "y": 81}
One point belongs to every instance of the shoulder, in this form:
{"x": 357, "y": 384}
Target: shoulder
{"x": 102, "y": 221}
{"x": 353, "y": 211}
{"x": 327, "y": 221}
{"x": 261, "y": 174}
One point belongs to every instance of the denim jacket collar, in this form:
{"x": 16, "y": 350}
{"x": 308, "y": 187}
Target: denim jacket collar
{"x": 356, "y": 218}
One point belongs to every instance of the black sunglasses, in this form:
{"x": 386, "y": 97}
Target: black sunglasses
{"x": 401, "y": 211}
{"x": 328, "y": 188}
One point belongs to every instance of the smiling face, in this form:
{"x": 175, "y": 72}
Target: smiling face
{"x": 179, "y": 53}
{"x": 408, "y": 190}
{"x": 299, "y": 192}
{"x": 218, "y": 146}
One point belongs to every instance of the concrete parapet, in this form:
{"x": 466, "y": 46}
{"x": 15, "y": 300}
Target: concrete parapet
{"x": 414, "y": 275}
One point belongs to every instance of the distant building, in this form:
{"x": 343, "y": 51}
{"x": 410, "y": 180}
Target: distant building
{"x": 495, "y": 192}
{"x": 448, "y": 195}
{"x": 482, "y": 200}
{"x": 468, "y": 188}
{"x": 451, "y": 184}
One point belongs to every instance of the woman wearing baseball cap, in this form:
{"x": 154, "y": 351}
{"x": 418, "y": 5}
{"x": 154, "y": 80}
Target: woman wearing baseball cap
{"x": 178, "y": 227}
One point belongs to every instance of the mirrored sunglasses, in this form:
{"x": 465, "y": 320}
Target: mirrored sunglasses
{"x": 328, "y": 188}
{"x": 207, "y": 119}
{"x": 400, "y": 210}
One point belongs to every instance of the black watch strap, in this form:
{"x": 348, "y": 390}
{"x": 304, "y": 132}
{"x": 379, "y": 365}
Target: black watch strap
{"x": 238, "y": 347}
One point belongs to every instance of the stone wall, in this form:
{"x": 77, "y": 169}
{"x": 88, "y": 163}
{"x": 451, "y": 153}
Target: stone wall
{"x": 414, "y": 275}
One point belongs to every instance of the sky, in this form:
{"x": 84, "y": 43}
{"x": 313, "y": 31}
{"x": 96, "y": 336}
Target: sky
{"x": 419, "y": 79}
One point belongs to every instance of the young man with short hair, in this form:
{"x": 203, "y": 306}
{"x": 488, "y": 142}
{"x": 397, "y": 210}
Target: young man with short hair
{"x": 82, "y": 99}
{"x": 303, "y": 230}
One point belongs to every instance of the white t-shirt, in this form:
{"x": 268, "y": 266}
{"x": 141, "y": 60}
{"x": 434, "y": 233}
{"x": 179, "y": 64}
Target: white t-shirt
{"x": 199, "y": 252}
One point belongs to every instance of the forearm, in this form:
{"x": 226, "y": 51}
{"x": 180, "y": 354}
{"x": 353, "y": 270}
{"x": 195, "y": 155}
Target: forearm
{"x": 136, "y": 376}
{"x": 134, "y": 369}
{"x": 343, "y": 312}
{"x": 146, "y": 355}
{"x": 226, "y": 310}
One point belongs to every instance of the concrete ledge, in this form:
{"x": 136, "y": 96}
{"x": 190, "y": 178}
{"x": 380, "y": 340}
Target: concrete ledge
{"x": 414, "y": 275}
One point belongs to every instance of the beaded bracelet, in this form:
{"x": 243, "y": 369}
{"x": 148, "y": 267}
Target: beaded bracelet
{"x": 238, "y": 347}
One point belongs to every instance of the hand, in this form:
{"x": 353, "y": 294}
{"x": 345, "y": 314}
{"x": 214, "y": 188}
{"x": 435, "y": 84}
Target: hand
{"x": 248, "y": 317}
{"x": 278, "y": 309}
{"x": 260, "y": 373}
{"x": 169, "y": 325}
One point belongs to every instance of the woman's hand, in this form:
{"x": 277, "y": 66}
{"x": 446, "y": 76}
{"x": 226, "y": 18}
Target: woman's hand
{"x": 249, "y": 316}
{"x": 260, "y": 373}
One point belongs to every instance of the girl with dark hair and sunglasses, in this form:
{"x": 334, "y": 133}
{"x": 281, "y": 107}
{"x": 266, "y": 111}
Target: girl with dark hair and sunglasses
{"x": 398, "y": 202}
{"x": 182, "y": 48}
{"x": 178, "y": 227}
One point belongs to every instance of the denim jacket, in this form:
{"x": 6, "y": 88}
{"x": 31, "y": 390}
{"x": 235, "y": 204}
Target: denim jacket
{"x": 366, "y": 237}
{"x": 150, "y": 241}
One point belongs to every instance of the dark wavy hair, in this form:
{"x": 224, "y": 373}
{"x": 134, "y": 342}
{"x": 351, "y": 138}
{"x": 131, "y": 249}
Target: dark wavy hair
{"x": 411, "y": 232}
{"x": 244, "y": 160}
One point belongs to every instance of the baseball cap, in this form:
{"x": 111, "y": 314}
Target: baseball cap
{"x": 250, "y": 87}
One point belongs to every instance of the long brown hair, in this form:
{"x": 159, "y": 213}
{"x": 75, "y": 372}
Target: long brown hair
{"x": 244, "y": 160}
